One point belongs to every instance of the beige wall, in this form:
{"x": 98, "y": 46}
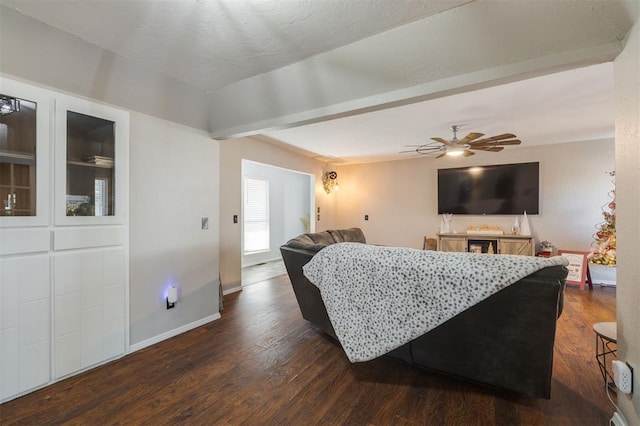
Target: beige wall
{"x": 231, "y": 154}
{"x": 174, "y": 183}
{"x": 401, "y": 200}
{"x": 400, "y": 196}
{"x": 627, "y": 80}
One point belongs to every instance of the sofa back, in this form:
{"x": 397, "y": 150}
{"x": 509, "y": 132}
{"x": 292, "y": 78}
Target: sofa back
{"x": 316, "y": 241}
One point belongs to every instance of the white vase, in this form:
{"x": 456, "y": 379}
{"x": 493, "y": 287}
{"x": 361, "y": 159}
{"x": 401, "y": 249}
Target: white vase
{"x": 516, "y": 226}
{"x": 445, "y": 225}
{"x": 524, "y": 225}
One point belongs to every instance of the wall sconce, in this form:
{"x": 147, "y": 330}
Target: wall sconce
{"x": 8, "y": 105}
{"x": 330, "y": 182}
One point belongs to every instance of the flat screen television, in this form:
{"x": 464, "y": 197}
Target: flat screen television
{"x": 508, "y": 189}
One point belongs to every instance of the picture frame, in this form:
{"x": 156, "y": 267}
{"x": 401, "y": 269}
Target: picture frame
{"x": 578, "y": 266}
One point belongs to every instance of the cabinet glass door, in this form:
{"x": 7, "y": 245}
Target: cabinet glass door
{"x": 17, "y": 156}
{"x": 90, "y": 166}
{"x": 91, "y": 163}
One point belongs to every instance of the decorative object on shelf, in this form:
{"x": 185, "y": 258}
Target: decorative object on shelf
{"x": 80, "y": 205}
{"x": 515, "y": 229}
{"x": 9, "y": 204}
{"x": 490, "y": 249}
{"x": 99, "y": 160}
{"x": 546, "y": 246}
{"x": 445, "y": 225}
{"x": 330, "y": 181}
{"x": 603, "y": 249}
{"x": 465, "y": 146}
{"x": 8, "y": 105}
{"x": 524, "y": 225}
{"x": 485, "y": 230}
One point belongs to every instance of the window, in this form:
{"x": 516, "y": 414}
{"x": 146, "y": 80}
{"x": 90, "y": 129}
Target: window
{"x": 256, "y": 215}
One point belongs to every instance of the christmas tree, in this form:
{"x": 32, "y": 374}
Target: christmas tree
{"x": 603, "y": 249}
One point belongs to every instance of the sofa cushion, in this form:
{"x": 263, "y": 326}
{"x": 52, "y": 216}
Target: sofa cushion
{"x": 351, "y": 235}
{"x": 304, "y": 242}
{"x": 323, "y": 238}
{"x": 316, "y": 241}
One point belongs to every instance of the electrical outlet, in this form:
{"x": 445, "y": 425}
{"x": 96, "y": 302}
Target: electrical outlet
{"x": 622, "y": 376}
{"x": 366, "y": 217}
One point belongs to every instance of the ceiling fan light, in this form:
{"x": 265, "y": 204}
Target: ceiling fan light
{"x": 455, "y": 152}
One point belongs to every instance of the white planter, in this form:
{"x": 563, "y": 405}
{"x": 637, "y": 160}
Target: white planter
{"x": 603, "y": 275}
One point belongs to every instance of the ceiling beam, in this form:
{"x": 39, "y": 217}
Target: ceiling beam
{"x": 477, "y": 45}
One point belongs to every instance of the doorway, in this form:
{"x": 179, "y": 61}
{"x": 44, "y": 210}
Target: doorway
{"x": 277, "y": 206}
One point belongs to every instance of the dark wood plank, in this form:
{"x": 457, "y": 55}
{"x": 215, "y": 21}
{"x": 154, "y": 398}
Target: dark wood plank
{"x": 261, "y": 363}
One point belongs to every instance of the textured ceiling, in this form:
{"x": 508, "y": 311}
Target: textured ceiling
{"x": 273, "y": 64}
{"x": 210, "y": 44}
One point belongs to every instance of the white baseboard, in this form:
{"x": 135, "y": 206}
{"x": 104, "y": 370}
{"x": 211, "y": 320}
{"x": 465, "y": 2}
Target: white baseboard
{"x": 261, "y": 261}
{"x": 232, "y": 290}
{"x": 171, "y": 333}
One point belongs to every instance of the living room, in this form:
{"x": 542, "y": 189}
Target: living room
{"x": 164, "y": 242}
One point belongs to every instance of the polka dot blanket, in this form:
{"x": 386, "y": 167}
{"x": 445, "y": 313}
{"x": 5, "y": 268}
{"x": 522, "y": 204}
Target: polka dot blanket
{"x": 379, "y": 298}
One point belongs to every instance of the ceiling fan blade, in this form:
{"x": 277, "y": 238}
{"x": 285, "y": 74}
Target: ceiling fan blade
{"x": 427, "y": 151}
{"x": 498, "y": 143}
{"x": 470, "y": 137}
{"x": 487, "y": 148}
{"x": 444, "y": 141}
{"x": 511, "y": 142}
{"x": 468, "y": 153}
{"x": 441, "y": 155}
{"x": 495, "y": 138}
{"x": 502, "y": 136}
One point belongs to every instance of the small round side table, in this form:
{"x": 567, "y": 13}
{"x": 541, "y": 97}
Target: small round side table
{"x": 606, "y": 344}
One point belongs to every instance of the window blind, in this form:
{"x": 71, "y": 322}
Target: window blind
{"x": 256, "y": 215}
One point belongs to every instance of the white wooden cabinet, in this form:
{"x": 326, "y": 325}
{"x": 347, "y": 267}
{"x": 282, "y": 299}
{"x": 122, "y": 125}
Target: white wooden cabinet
{"x": 502, "y": 244}
{"x": 89, "y": 300}
{"x": 522, "y": 246}
{"x": 454, "y": 244}
{"x": 24, "y": 324}
{"x": 63, "y": 278}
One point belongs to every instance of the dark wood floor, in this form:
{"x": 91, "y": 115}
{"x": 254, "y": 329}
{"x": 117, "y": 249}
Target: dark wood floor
{"x": 261, "y": 363}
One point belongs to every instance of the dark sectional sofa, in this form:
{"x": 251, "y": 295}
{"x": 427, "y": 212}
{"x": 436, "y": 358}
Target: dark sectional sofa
{"x": 505, "y": 342}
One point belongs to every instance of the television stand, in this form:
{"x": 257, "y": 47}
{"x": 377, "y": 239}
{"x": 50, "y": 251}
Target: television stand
{"x": 502, "y": 244}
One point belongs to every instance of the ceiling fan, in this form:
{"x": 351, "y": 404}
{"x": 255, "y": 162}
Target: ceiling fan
{"x": 464, "y": 146}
